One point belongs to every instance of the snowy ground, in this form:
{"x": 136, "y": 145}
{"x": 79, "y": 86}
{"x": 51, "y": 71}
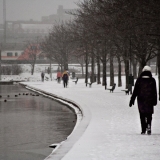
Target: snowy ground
{"x": 26, "y": 77}
{"x": 109, "y": 130}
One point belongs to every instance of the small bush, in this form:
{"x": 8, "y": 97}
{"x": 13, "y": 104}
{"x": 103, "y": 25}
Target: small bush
{"x": 12, "y": 70}
{"x": 16, "y": 69}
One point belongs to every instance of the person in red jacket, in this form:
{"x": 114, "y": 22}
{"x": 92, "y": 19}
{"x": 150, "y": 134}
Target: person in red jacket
{"x": 146, "y": 92}
{"x": 59, "y": 75}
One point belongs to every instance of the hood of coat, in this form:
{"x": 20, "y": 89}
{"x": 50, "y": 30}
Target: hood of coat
{"x": 146, "y": 73}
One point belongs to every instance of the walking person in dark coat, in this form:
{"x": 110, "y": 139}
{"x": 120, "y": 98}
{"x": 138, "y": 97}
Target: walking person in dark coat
{"x": 42, "y": 76}
{"x": 146, "y": 92}
{"x": 65, "y": 78}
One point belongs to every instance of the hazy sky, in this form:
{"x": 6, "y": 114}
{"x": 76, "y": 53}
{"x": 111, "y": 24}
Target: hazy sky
{"x": 33, "y": 9}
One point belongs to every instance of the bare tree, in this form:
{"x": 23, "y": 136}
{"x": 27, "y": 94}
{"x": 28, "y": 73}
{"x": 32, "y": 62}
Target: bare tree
{"x": 31, "y": 54}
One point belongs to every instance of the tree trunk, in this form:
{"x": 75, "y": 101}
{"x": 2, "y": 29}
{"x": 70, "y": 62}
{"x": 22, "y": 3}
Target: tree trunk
{"x": 32, "y": 69}
{"x": 51, "y": 70}
{"x": 111, "y": 71}
{"x": 158, "y": 64}
{"x": 65, "y": 65}
{"x": 65, "y": 61}
{"x": 0, "y": 67}
{"x": 119, "y": 72}
{"x": 82, "y": 69}
{"x": 142, "y": 64}
{"x": 127, "y": 72}
{"x": 156, "y": 71}
{"x": 86, "y": 76}
{"x": 126, "y": 62}
{"x": 134, "y": 68}
{"x": 104, "y": 71}
{"x": 98, "y": 71}
{"x": 92, "y": 69}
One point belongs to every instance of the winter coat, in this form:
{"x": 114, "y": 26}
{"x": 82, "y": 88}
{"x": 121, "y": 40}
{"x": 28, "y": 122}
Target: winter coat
{"x": 59, "y": 74}
{"x": 146, "y": 92}
{"x": 65, "y": 76}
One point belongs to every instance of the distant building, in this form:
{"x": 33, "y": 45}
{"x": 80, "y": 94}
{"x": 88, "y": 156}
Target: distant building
{"x": 11, "y": 51}
{"x": 22, "y": 31}
{"x": 11, "y": 54}
{"x": 18, "y": 33}
{"x": 27, "y": 27}
{"x": 61, "y": 16}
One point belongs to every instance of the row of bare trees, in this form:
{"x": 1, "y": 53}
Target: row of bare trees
{"x": 104, "y": 31}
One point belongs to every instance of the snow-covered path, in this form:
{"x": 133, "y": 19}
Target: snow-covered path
{"x": 110, "y": 129}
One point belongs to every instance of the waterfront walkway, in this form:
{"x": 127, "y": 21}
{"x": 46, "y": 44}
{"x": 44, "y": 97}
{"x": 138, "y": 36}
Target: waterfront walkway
{"x": 109, "y": 129}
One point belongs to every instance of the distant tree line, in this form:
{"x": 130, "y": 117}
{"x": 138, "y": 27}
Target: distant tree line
{"x": 105, "y": 31}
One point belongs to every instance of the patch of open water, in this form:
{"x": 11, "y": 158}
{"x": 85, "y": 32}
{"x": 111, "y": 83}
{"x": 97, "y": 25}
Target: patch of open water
{"x": 29, "y": 124}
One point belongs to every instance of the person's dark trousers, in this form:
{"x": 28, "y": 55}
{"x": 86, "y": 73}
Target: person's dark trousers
{"x": 146, "y": 120}
{"x": 65, "y": 83}
{"x": 58, "y": 79}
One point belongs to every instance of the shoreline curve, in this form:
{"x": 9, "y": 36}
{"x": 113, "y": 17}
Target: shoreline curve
{"x": 62, "y": 148}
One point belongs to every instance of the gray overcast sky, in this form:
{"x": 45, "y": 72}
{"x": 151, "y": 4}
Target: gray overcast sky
{"x": 33, "y": 9}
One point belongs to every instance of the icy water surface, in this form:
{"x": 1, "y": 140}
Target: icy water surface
{"x": 29, "y": 124}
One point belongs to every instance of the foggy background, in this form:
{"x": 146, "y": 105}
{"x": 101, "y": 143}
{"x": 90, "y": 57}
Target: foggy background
{"x": 33, "y": 9}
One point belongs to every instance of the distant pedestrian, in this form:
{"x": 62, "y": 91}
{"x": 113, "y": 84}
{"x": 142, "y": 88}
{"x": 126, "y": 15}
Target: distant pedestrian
{"x": 146, "y": 92}
{"x": 65, "y": 78}
{"x": 48, "y": 70}
{"x": 42, "y": 76}
{"x": 59, "y": 75}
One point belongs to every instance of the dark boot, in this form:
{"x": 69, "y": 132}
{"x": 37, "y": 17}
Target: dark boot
{"x": 143, "y": 123}
{"x": 149, "y": 129}
{"x": 149, "y": 122}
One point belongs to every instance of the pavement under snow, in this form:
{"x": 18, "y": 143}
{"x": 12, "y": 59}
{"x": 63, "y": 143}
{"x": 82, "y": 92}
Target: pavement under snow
{"x": 109, "y": 129}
